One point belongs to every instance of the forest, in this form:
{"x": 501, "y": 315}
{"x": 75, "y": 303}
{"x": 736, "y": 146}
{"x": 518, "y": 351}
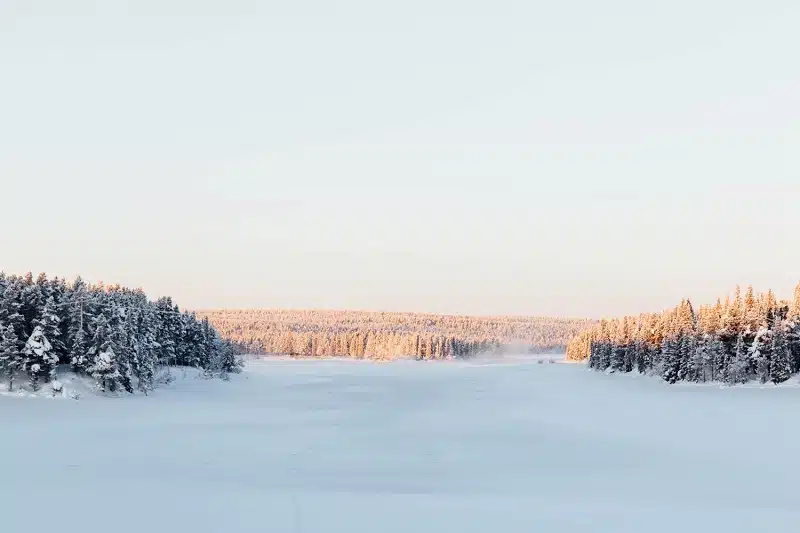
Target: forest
{"x": 746, "y": 338}
{"x": 113, "y": 334}
{"x": 388, "y": 335}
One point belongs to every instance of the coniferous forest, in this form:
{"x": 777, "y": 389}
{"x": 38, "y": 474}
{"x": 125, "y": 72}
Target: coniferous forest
{"x": 115, "y": 335}
{"x": 389, "y": 335}
{"x": 750, "y": 337}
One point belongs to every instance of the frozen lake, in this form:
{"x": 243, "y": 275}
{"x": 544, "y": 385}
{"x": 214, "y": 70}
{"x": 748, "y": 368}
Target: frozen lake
{"x": 318, "y": 446}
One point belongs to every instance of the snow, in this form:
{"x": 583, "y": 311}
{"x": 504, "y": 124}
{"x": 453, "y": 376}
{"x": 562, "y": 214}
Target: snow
{"x": 326, "y": 446}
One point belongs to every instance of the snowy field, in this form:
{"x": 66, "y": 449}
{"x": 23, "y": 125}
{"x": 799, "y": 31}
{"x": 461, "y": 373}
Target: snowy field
{"x": 347, "y": 446}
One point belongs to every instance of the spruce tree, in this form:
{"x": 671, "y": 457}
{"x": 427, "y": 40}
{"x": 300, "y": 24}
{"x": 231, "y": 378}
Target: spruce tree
{"x": 594, "y": 355}
{"x": 760, "y": 354}
{"x": 39, "y": 360}
{"x": 50, "y": 323}
{"x": 733, "y": 321}
{"x": 10, "y": 354}
{"x": 146, "y": 349}
{"x": 79, "y": 356}
{"x": 752, "y": 314}
{"x": 686, "y": 350}
{"x": 102, "y": 359}
{"x": 794, "y": 330}
{"x": 104, "y": 370}
{"x": 10, "y": 309}
{"x": 670, "y": 359}
{"x": 121, "y": 349}
{"x": 738, "y": 367}
{"x": 718, "y": 355}
{"x": 780, "y": 365}
{"x": 698, "y": 361}
{"x": 30, "y": 298}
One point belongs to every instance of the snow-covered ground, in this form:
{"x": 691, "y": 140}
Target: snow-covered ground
{"x": 319, "y": 446}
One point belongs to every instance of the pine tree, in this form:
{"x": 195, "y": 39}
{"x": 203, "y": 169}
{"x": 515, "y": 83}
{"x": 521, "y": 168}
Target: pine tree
{"x": 10, "y": 354}
{"x": 603, "y": 347}
{"x": 594, "y": 355}
{"x": 30, "y": 299}
{"x": 123, "y": 350}
{"x": 780, "y": 365}
{"x": 10, "y": 309}
{"x": 794, "y": 331}
{"x": 39, "y": 360}
{"x": 760, "y": 354}
{"x": 698, "y": 361}
{"x": 752, "y": 314}
{"x": 50, "y": 323}
{"x": 718, "y": 358}
{"x": 76, "y": 301}
{"x": 670, "y": 359}
{"x": 79, "y": 357}
{"x": 228, "y": 362}
{"x": 738, "y": 368}
{"x": 102, "y": 359}
{"x": 686, "y": 350}
{"x": 733, "y": 321}
{"x": 146, "y": 348}
{"x": 104, "y": 370}
{"x": 167, "y": 333}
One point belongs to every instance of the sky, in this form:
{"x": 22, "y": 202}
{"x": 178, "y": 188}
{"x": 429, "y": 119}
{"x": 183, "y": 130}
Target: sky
{"x": 575, "y": 158}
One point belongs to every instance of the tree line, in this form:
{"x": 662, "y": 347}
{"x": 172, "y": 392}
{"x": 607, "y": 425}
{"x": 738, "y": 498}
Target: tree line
{"x": 388, "y": 335}
{"x": 114, "y": 334}
{"x": 750, "y": 337}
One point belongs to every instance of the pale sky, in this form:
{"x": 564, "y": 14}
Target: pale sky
{"x": 568, "y": 157}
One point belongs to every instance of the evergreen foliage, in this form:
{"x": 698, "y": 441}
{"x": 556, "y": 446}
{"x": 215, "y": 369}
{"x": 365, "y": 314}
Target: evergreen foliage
{"x": 114, "y": 334}
{"x": 746, "y": 338}
{"x": 387, "y": 335}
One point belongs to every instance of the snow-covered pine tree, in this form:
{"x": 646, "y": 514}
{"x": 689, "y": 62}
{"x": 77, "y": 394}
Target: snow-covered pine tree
{"x": 10, "y": 309}
{"x": 121, "y": 347}
{"x": 30, "y": 298}
{"x": 75, "y": 308}
{"x": 638, "y": 346}
{"x": 228, "y": 362}
{"x": 794, "y": 329}
{"x": 732, "y": 320}
{"x": 169, "y": 334}
{"x": 670, "y": 359}
{"x": 10, "y": 354}
{"x": 604, "y": 348}
{"x": 619, "y": 354}
{"x": 146, "y": 348}
{"x": 780, "y": 364}
{"x": 629, "y": 334}
{"x": 594, "y": 354}
{"x": 50, "y": 323}
{"x": 718, "y": 358}
{"x": 60, "y": 291}
{"x": 698, "y": 360}
{"x": 752, "y": 314}
{"x": 209, "y": 359}
{"x": 760, "y": 353}
{"x": 102, "y": 359}
{"x": 104, "y": 370}
{"x": 39, "y": 360}
{"x": 738, "y": 367}
{"x": 192, "y": 341}
{"x": 79, "y": 356}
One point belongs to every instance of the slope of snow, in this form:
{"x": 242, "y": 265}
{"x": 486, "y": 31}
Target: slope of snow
{"x": 318, "y": 446}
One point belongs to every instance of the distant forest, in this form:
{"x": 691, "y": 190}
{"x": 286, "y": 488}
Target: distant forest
{"x": 110, "y": 333}
{"x": 750, "y": 337}
{"x": 385, "y": 335}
